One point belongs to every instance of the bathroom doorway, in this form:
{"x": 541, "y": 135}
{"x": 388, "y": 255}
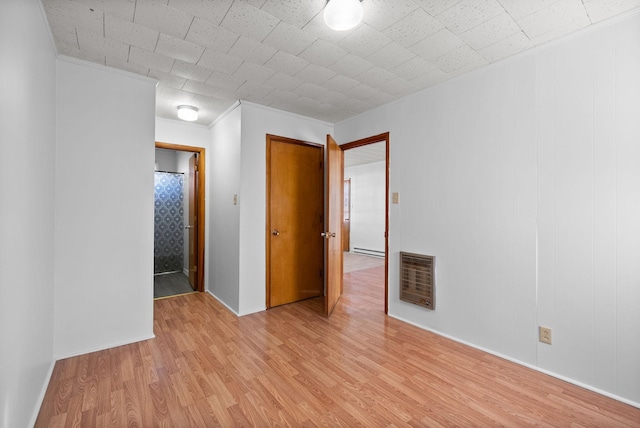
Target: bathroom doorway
{"x": 178, "y": 220}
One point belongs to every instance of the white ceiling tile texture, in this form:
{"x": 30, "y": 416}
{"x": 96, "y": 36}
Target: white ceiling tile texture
{"x": 381, "y": 14}
{"x": 287, "y": 38}
{"x": 365, "y": 154}
{"x": 219, "y": 61}
{"x": 211, "y": 36}
{"x": 179, "y": 49}
{"x": 253, "y": 73}
{"x": 167, "y": 79}
{"x": 211, "y": 53}
{"x": 156, "y": 15}
{"x": 212, "y": 11}
{"x": 250, "y": 50}
{"x": 413, "y": 28}
{"x": 323, "y": 53}
{"x": 120, "y": 8}
{"x": 130, "y": 33}
{"x": 150, "y": 59}
{"x": 286, "y": 63}
{"x": 190, "y": 71}
{"x": 315, "y": 74}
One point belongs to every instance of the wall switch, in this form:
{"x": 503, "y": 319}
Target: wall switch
{"x": 235, "y": 199}
{"x": 544, "y": 334}
{"x": 395, "y": 197}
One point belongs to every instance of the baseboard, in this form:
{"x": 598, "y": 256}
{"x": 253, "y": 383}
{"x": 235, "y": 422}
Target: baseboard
{"x": 102, "y": 348}
{"x": 222, "y": 303}
{"x": 522, "y": 363}
{"x": 368, "y": 252}
{"x": 185, "y": 271}
{"x": 43, "y": 391}
{"x": 231, "y": 309}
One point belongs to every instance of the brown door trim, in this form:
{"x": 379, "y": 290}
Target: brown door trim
{"x": 201, "y": 203}
{"x": 363, "y": 142}
{"x": 269, "y": 138}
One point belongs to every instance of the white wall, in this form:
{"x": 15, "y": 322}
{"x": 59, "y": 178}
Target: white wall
{"x": 166, "y": 160}
{"x": 224, "y": 181}
{"x": 523, "y": 180}
{"x": 368, "y": 185}
{"x": 104, "y": 216}
{"x": 257, "y": 121}
{"x": 182, "y": 133}
{"x": 27, "y": 159}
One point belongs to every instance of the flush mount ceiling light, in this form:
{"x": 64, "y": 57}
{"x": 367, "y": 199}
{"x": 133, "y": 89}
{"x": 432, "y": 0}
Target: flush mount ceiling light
{"x": 342, "y": 15}
{"x": 188, "y": 113}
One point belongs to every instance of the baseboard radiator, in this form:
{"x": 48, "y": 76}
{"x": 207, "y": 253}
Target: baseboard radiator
{"x": 368, "y": 252}
{"x": 417, "y": 279}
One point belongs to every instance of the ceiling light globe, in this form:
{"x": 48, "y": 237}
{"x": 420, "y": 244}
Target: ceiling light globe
{"x": 188, "y": 113}
{"x": 342, "y": 15}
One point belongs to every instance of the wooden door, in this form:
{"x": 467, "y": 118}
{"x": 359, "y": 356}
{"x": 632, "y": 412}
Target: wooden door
{"x": 346, "y": 216}
{"x": 295, "y": 188}
{"x": 193, "y": 221}
{"x": 333, "y": 234}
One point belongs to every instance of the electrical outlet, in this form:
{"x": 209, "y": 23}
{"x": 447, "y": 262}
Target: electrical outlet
{"x": 395, "y": 197}
{"x": 544, "y": 334}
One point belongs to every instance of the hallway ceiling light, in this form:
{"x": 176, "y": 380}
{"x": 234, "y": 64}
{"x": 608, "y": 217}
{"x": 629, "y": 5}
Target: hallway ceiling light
{"x": 188, "y": 113}
{"x": 342, "y": 15}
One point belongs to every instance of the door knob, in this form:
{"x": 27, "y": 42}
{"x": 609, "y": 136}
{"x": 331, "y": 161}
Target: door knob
{"x": 328, "y": 235}
{"x": 188, "y": 227}
{"x": 275, "y": 232}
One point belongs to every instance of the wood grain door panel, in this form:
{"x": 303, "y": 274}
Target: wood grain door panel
{"x": 295, "y": 221}
{"x": 333, "y": 213}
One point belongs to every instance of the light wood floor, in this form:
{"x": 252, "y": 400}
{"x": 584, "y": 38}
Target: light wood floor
{"x": 353, "y": 262}
{"x": 290, "y": 366}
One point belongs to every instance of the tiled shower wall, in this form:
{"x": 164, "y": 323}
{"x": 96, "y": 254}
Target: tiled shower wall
{"x": 168, "y": 222}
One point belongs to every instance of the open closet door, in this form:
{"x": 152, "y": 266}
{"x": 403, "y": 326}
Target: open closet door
{"x": 333, "y": 215}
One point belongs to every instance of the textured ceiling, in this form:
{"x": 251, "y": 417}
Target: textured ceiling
{"x": 279, "y": 53}
{"x": 365, "y": 154}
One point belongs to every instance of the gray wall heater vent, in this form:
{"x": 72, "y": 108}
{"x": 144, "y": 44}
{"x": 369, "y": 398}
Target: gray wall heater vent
{"x": 417, "y": 279}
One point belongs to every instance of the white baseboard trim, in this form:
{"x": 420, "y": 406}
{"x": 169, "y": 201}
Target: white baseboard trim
{"x": 223, "y": 303}
{"x": 368, "y": 252}
{"x": 185, "y": 271}
{"x": 233, "y": 311}
{"x": 43, "y": 391}
{"x": 102, "y": 348}
{"x": 522, "y": 363}
{"x": 253, "y": 311}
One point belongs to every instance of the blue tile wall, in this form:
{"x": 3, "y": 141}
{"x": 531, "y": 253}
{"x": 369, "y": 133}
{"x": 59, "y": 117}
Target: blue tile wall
{"x": 168, "y": 222}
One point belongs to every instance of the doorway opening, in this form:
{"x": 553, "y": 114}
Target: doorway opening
{"x": 365, "y": 224}
{"x": 179, "y": 215}
{"x": 334, "y": 223}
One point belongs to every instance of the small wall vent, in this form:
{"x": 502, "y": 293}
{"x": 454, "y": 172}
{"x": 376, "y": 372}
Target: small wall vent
{"x": 417, "y": 279}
